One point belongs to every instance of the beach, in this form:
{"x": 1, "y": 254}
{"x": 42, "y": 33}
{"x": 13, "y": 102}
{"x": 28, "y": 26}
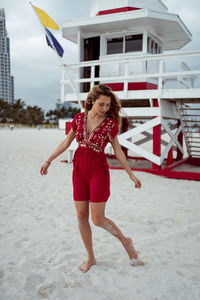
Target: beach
{"x": 41, "y": 248}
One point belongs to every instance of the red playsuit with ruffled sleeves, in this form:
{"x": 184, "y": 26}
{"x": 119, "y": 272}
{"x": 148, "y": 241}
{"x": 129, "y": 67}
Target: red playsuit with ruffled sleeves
{"x": 91, "y": 178}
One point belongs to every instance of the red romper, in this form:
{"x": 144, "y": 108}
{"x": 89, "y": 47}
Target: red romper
{"x": 91, "y": 178}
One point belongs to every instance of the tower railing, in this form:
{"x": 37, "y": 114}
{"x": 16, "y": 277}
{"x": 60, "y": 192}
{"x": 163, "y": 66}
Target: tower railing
{"x": 172, "y": 76}
{"x": 175, "y": 76}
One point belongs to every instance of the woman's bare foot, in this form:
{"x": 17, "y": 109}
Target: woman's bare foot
{"x": 128, "y": 244}
{"x": 87, "y": 264}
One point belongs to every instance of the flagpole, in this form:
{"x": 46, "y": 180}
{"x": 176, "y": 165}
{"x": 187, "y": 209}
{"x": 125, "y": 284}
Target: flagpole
{"x": 59, "y": 58}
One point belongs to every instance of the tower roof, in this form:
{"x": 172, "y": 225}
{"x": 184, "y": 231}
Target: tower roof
{"x": 168, "y": 27}
{"x": 101, "y": 7}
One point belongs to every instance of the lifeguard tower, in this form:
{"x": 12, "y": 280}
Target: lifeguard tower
{"x": 131, "y": 45}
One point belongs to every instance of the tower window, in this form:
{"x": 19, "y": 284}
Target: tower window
{"x": 115, "y": 45}
{"x": 133, "y": 43}
{"x": 124, "y": 44}
{"x": 153, "y": 47}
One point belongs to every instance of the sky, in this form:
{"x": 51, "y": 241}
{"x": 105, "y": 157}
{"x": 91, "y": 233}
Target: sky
{"x": 35, "y": 66}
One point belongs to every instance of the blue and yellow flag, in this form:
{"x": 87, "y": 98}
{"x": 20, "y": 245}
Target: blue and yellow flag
{"x": 56, "y": 45}
{"x": 49, "y": 22}
{"x": 45, "y": 19}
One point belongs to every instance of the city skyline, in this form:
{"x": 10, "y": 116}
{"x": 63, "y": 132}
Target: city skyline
{"x": 34, "y": 64}
{"x": 6, "y": 79}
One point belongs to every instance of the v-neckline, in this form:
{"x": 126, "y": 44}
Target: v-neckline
{"x": 86, "y": 131}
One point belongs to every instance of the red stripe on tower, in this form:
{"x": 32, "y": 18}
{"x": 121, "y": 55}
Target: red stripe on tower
{"x": 116, "y": 10}
{"x": 132, "y": 86}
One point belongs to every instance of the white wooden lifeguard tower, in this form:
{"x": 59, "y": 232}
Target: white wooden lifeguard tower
{"x": 124, "y": 44}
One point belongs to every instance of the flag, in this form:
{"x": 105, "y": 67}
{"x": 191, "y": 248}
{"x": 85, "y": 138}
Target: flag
{"x": 45, "y": 19}
{"x": 57, "y": 46}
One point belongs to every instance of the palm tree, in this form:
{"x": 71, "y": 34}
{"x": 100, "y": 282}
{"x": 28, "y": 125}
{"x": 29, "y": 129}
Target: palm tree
{"x": 5, "y": 111}
{"x": 18, "y": 111}
{"x": 34, "y": 115}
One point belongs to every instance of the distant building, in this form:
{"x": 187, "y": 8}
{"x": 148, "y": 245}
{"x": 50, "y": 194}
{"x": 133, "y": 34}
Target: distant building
{"x": 6, "y": 80}
{"x": 66, "y": 105}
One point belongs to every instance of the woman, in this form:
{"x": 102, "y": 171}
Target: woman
{"x": 93, "y": 129}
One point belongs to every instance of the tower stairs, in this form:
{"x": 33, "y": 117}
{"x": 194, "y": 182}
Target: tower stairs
{"x": 190, "y": 120}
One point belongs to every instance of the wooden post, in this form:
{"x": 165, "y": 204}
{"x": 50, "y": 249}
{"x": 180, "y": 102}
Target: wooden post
{"x": 156, "y": 139}
{"x": 180, "y": 140}
{"x": 124, "y": 128}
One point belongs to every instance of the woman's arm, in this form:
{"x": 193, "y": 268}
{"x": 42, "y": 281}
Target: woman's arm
{"x": 123, "y": 161}
{"x": 60, "y": 149}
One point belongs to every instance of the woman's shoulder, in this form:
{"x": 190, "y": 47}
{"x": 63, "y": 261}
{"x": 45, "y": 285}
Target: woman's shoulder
{"x": 78, "y": 118}
{"x": 112, "y": 121}
{"x": 112, "y": 127}
{"x": 79, "y": 115}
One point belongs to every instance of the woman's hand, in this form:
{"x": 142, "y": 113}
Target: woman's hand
{"x": 137, "y": 182}
{"x": 123, "y": 161}
{"x": 44, "y": 168}
{"x": 60, "y": 149}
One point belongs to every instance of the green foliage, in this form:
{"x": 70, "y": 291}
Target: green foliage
{"x": 19, "y": 113}
{"x": 52, "y": 116}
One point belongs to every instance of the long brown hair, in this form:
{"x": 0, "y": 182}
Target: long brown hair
{"x": 104, "y": 90}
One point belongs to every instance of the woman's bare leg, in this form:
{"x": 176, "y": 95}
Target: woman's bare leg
{"x": 82, "y": 210}
{"x": 99, "y": 219}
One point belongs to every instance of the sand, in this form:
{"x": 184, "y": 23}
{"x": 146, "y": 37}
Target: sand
{"x": 41, "y": 248}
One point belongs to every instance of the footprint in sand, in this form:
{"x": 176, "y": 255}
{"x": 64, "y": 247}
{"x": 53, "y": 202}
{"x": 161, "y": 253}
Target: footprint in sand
{"x": 46, "y": 289}
{"x": 2, "y": 274}
{"x": 21, "y": 242}
{"x": 32, "y": 282}
{"x": 179, "y": 273}
{"x": 170, "y": 254}
{"x": 62, "y": 295}
{"x": 164, "y": 262}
